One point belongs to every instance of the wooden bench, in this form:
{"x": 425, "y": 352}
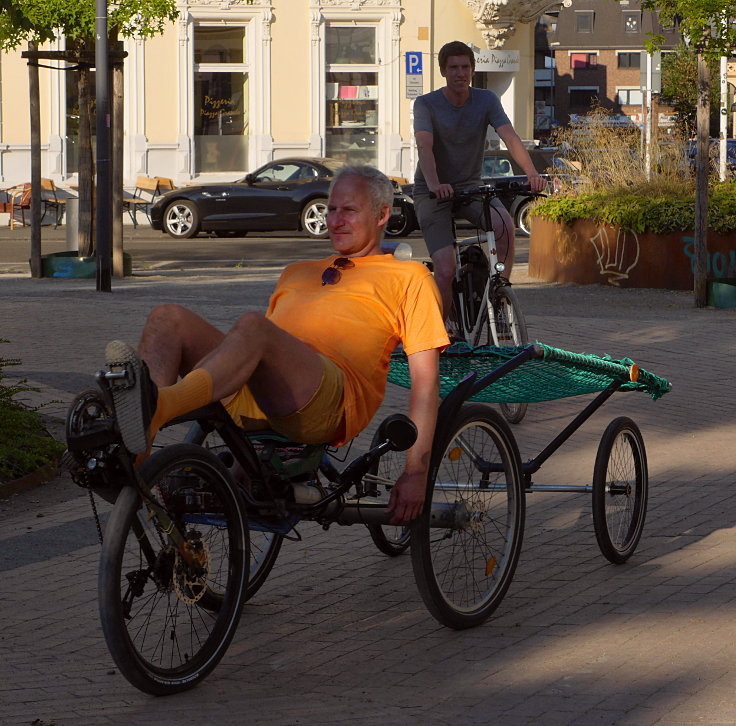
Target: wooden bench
{"x": 147, "y": 188}
{"x": 17, "y": 203}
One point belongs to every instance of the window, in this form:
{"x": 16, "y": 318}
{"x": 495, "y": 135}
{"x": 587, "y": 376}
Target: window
{"x": 583, "y": 60}
{"x": 581, "y": 98}
{"x": 584, "y": 21}
{"x": 632, "y": 22}
{"x": 629, "y": 97}
{"x": 220, "y": 99}
{"x": 352, "y": 94}
{"x": 629, "y": 60}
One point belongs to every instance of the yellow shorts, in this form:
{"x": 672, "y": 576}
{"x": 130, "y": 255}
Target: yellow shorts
{"x": 320, "y": 421}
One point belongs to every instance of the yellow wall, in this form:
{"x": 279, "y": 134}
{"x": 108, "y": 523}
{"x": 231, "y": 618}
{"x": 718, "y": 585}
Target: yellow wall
{"x": 290, "y": 70}
{"x": 15, "y": 94}
{"x": 162, "y": 81}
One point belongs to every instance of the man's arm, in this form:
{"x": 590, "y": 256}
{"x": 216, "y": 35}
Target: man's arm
{"x": 516, "y": 147}
{"x": 407, "y": 497}
{"x": 428, "y": 165}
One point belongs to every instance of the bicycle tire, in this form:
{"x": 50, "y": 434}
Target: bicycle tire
{"x": 463, "y": 572}
{"x": 620, "y": 490}
{"x": 163, "y": 634}
{"x": 264, "y": 546}
{"x": 508, "y": 328}
{"x": 390, "y": 539}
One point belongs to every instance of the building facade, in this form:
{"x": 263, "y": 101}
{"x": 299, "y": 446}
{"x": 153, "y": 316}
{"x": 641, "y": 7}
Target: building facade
{"x": 233, "y": 84}
{"x": 590, "y": 52}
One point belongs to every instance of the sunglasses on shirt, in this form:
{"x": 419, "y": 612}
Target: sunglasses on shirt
{"x": 332, "y": 275}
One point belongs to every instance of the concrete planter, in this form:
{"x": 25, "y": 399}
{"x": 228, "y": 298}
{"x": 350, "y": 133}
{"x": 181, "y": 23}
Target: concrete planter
{"x": 588, "y": 253}
{"x": 69, "y": 264}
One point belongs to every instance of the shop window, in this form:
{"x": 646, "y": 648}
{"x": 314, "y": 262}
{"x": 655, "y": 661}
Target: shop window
{"x": 220, "y": 99}
{"x": 351, "y": 132}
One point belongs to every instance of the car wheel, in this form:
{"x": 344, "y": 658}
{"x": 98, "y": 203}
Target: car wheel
{"x": 401, "y": 226}
{"x": 181, "y": 219}
{"x": 522, "y": 218}
{"x": 313, "y": 218}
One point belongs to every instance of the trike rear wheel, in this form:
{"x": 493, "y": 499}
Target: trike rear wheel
{"x": 464, "y": 569}
{"x": 264, "y": 545}
{"x": 620, "y": 490}
{"x": 172, "y": 574}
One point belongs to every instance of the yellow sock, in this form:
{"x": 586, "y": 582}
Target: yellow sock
{"x": 191, "y": 392}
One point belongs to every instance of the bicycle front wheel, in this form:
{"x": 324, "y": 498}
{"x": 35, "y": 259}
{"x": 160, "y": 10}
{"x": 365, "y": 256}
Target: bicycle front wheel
{"x": 508, "y": 328}
{"x": 464, "y": 569}
{"x": 173, "y": 571}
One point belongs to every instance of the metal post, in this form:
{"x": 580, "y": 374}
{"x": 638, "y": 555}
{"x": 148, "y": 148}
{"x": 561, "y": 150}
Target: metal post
{"x": 723, "y": 118}
{"x": 104, "y": 166}
{"x": 648, "y": 141}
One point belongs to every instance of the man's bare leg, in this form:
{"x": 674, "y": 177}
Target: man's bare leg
{"x": 283, "y": 372}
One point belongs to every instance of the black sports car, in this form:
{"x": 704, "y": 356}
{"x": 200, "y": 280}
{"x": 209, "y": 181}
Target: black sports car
{"x": 288, "y": 194}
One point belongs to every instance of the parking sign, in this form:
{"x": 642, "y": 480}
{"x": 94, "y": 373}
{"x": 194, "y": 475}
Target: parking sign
{"x": 413, "y": 63}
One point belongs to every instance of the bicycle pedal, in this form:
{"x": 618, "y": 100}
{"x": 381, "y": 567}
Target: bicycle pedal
{"x": 119, "y": 375}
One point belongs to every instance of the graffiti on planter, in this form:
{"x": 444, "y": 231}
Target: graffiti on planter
{"x": 717, "y": 264}
{"x": 616, "y": 261}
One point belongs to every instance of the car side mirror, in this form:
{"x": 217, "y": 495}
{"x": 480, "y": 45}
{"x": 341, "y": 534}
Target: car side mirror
{"x": 249, "y": 179}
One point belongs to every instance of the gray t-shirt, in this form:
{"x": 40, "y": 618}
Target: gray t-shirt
{"x": 459, "y": 134}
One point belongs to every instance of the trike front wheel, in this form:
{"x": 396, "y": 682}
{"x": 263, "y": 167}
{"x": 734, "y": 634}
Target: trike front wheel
{"x": 464, "y": 568}
{"x": 172, "y": 574}
{"x": 620, "y": 490}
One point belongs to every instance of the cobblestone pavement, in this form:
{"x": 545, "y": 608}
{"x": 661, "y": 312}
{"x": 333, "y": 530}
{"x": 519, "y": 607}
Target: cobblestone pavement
{"x": 339, "y": 634}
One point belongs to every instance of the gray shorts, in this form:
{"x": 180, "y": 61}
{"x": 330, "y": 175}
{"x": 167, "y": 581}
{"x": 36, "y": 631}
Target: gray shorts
{"x": 435, "y": 219}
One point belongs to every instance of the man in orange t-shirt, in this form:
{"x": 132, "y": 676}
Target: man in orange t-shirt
{"x": 314, "y": 366}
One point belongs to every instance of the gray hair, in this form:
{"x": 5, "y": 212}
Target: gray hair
{"x": 380, "y": 187}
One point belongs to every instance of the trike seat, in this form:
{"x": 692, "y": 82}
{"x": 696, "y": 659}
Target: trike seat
{"x": 547, "y": 373}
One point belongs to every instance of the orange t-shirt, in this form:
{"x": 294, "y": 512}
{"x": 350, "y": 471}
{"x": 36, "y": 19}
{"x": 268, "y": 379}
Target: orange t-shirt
{"x": 356, "y": 323}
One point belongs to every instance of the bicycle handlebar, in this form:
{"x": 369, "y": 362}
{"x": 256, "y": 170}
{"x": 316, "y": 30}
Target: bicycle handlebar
{"x": 491, "y": 191}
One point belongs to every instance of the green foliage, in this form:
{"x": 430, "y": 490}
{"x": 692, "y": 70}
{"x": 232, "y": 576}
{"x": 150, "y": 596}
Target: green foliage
{"x": 642, "y": 209}
{"x": 707, "y": 24}
{"x": 680, "y": 89}
{"x": 25, "y": 445}
{"x": 40, "y": 20}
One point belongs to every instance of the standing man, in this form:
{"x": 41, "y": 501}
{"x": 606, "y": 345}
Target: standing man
{"x": 450, "y": 126}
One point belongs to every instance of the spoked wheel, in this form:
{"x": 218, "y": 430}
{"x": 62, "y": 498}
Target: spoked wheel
{"x": 390, "y": 539}
{"x": 172, "y": 575}
{"x": 264, "y": 546}
{"x": 508, "y": 328}
{"x": 464, "y": 569}
{"x": 313, "y": 218}
{"x": 620, "y": 490}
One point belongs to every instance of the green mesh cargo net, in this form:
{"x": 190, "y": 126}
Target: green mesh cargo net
{"x": 549, "y": 374}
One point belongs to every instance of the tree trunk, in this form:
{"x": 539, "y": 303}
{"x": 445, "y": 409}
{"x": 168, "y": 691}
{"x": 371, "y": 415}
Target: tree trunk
{"x": 117, "y": 164}
{"x": 86, "y": 165}
{"x": 701, "y": 184}
{"x": 35, "y": 107}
